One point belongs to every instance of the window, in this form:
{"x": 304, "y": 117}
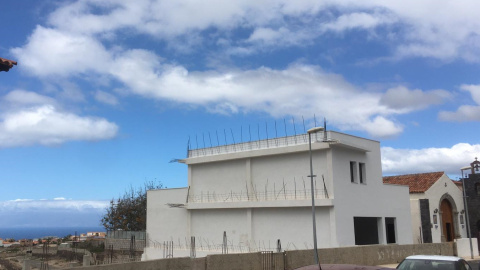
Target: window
{"x": 363, "y": 177}
{"x": 353, "y": 171}
{"x": 477, "y": 188}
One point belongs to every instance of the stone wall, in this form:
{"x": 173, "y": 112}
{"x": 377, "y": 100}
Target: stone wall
{"x": 123, "y": 244}
{"x": 362, "y": 255}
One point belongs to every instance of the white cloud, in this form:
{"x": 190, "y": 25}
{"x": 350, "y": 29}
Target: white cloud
{"x": 58, "y": 203}
{"x": 451, "y": 32}
{"x": 22, "y": 97}
{"x": 358, "y": 20}
{"x": 450, "y": 160}
{"x": 297, "y": 90}
{"x": 106, "y": 98}
{"x": 404, "y": 99}
{"x": 51, "y": 213}
{"x": 74, "y": 44}
{"x": 35, "y": 121}
{"x": 465, "y": 112}
{"x": 52, "y": 52}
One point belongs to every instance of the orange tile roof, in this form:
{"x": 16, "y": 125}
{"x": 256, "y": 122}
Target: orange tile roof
{"x": 417, "y": 183}
{"x": 6, "y": 65}
{"x": 458, "y": 183}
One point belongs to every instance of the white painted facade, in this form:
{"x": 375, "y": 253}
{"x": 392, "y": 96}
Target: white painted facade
{"x": 442, "y": 189}
{"x": 259, "y": 192}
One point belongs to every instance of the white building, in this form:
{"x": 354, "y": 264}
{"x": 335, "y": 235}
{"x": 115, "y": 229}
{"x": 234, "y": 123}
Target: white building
{"x": 437, "y": 207}
{"x": 250, "y": 195}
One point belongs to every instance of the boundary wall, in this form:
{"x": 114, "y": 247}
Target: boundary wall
{"x": 362, "y": 255}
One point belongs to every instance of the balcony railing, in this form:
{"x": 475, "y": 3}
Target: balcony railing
{"x": 212, "y": 197}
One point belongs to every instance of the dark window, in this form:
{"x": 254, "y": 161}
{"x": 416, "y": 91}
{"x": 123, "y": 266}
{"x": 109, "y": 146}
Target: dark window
{"x": 362, "y": 175}
{"x": 353, "y": 171}
{"x": 477, "y": 188}
{"x": 366, "y": 230}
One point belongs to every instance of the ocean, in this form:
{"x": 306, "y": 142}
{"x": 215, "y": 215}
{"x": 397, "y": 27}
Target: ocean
{"x": 32, "y": 233}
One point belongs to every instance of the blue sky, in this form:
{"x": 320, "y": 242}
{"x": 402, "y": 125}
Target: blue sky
{"x": 107, "y": 92}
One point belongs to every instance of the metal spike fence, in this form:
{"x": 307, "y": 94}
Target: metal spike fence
{"x": 200, "y": 244}
{"x": 256, "y": 145}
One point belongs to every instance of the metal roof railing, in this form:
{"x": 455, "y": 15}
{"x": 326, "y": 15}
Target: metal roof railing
{"x": 256, "y": 145}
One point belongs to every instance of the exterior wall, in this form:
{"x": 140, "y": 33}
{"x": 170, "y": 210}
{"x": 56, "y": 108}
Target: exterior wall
{"x": 372, "y": 199}
{"x": 416, "y": 222}
{"x": 262, "y": 195}
{"x": 165, "y": 223}
{"x": 445, "y": 188}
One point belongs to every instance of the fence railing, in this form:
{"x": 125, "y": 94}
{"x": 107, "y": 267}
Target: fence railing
{"x": 126, "y": 235}
{"x": 256, "y": 145}
{"x": 211, "y": 197}
{"x": 206, "y": 245}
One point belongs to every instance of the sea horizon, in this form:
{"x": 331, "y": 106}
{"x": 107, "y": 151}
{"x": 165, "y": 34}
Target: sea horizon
{"x": 19, "y": 233}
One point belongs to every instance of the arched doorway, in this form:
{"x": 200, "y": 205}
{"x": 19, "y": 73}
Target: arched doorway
{"x": 447, "y": 220}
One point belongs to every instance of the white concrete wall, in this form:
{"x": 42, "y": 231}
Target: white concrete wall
{"x": 416, "y": 221}
{"x": 372, "y": 199}
{"x": 163, "y": 222}
{"x": 260, "y": 223}
{"x": 434, "y": 194}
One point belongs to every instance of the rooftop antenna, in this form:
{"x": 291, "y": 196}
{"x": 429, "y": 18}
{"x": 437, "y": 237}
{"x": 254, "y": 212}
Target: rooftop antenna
{"x": 294, "y": 129}
{"x": 225, "y": 136}
{"x": 304, "y": 130}
{"x": 266, "y": 130}
{"x": 233, "y": 138}
{"x": 276, "y": 134}
{"x": 324, "y": 129}
{"x": 285, "y": 127}
{"x": 241, "y": 137}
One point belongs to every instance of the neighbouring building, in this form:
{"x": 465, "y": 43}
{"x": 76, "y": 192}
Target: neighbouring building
{"x": 255, "y": 195}
{"x": 437, "y": 208}
{"x": 472, "y": 191}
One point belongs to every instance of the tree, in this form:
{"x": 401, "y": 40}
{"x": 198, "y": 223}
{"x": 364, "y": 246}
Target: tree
{"x": 129, "y": 212}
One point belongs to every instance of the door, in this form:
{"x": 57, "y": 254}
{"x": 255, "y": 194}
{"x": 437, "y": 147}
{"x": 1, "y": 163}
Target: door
{"x": 447, "y": 221}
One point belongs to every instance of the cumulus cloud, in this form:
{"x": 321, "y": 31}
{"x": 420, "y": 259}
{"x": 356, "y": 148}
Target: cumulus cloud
{"x": 450, "y": 160}
{"x": 404, "y": 99}
{"x": 75, "y": 42}
{"x": 37, "y": 121}
{"x": 297, "y": 90}
{"x": 53, "y": 52}
{"x": 358, "y": 20}
{"x": 465, "y": 112}
{"x": 451, "y": 32}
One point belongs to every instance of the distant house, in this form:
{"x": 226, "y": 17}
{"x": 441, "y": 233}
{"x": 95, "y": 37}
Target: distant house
{"x": 252, "y": 196}
{"x": 436, "y": 204}
{"x": 26, "y": 242}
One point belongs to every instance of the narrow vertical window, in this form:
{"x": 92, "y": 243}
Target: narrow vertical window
{"x": 353, "y": 171}
{"x": 363, "y": 178}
